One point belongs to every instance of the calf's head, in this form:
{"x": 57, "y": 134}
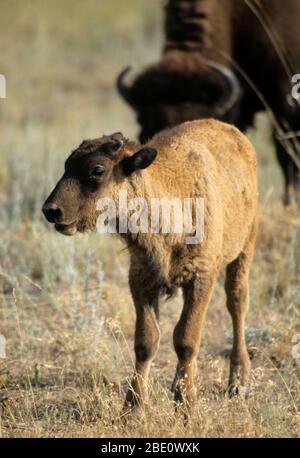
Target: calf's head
{"x": 96, "y": 169}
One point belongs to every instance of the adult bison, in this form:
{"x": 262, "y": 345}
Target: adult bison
{"x": 226, "y": 59}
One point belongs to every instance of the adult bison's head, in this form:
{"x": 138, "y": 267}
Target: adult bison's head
{"x": 181, "y": 87}
{"x": 96, "y": 169}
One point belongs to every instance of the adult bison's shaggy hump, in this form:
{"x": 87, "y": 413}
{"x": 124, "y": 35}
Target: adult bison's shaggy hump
{"x": 206, "y": 159}
{"x": 226, "y": 59}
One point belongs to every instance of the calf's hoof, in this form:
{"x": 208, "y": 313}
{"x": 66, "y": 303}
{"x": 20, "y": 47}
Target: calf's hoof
{"x": 135, "y": 412}
{"x": 185, "y": 402}
{"x": 134, "y": 405}
{"x": 238, "y": 390}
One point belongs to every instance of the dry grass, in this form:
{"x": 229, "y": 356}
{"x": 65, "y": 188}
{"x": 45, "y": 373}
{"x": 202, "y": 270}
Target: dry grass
{"x": 65, "y": 308}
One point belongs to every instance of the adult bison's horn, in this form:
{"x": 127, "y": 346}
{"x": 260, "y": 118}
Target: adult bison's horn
{"x": 232, "y": 92}
{"x": 123, "y": 88}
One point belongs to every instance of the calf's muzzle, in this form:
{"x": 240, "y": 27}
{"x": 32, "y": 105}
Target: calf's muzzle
{"x": 52, "y": 212}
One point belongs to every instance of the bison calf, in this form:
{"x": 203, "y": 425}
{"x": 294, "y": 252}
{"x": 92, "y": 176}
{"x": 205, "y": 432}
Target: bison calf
{"x": 206, "y": 159}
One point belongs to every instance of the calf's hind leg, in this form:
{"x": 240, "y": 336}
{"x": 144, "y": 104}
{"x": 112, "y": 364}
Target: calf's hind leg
{"x": 237, "y": 292}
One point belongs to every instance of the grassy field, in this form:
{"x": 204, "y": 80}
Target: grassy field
{"x": 65, "y": 308}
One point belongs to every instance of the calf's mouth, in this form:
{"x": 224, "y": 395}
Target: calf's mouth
{"x": 66, "y": 229}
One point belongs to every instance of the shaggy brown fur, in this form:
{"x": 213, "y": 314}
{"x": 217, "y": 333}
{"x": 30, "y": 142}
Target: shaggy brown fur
{"x": 207, "y": 159}
{"x": 182, "y": 87}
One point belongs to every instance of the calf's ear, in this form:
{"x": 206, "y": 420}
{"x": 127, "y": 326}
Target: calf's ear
{"x": 140, "y": 160}
{"x": 111, "y": 148}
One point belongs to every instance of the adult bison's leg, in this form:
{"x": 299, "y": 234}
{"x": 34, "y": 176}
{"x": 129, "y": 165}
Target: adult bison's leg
{"x": 291, "y": 172}
{"x": 146, "y": 343}
{"x": 187, "y": 335}
{"x": 237, "y": 292}
{"x": 287, "y": 113}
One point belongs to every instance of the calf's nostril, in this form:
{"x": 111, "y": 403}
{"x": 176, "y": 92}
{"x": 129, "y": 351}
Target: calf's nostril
{"x": 52, "y": 213}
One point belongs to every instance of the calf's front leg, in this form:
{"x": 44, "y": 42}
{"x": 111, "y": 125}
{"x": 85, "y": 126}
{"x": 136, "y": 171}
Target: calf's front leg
{"x": 187, "y": 335}
{"x": 146, "y": 343}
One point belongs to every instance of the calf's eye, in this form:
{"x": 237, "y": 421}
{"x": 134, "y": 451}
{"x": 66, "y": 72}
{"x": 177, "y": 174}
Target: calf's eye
{"x": 97, "y": 172}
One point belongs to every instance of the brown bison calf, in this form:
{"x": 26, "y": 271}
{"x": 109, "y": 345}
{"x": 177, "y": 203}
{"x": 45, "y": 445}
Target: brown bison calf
{"x": 206, "y": 159}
